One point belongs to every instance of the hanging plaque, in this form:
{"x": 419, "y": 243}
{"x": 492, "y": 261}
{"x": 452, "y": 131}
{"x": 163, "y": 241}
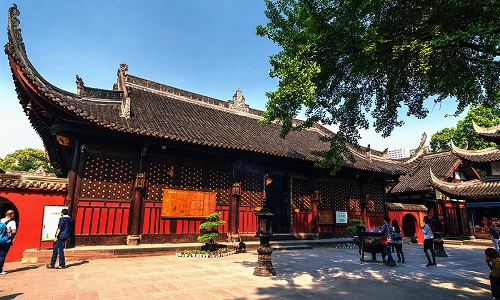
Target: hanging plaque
{"x": 187, "y": 204}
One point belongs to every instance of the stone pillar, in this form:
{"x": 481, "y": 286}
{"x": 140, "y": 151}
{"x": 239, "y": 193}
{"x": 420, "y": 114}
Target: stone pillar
{"x": 264, "y": 264}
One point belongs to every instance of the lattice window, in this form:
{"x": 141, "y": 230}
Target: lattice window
{"x": 160, "y": 176}
{"x": 324, "y": 191}
{"x": 339, "y": 196}
{"x": 354, "y": 196}
{"x": 107, "y": 178}
{"x": 253, "y": 191}
{"x": 219, "y": 182}
{"x": 376, "y": 200}
{"x": 191, "y": 177}
{"x": 301, "y": 193}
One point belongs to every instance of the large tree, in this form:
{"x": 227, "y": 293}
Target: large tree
{"x": 464, "y": 133}
{"x": 28, "y": 160}
{"x": 343, "y": 59}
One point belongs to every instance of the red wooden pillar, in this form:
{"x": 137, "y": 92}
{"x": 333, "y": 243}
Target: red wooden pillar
{"x": 316, "y": 198}
{"x": 136, "y": 211}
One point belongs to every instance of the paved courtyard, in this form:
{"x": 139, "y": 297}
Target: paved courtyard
{"x": 319, "y": 273}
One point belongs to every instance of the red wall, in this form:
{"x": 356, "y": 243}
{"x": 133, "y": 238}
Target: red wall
{"x": 30, "y": 206}
{"x": 398, "y": 215}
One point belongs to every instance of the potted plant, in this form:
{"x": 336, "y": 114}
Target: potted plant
{"x": 209, "y": 231}
{"x": 354, "y": 225}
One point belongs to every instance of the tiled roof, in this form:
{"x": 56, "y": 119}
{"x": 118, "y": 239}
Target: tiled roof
{"x": 407, "y": 207}
{"x": 33, "y": 182}
{"x": 485, "y": 155}
{"x": 490, "y": 133}
{"x": 144, "y": 108}
{"x": 443, "y": 164}
{"x": 472, "y": 189}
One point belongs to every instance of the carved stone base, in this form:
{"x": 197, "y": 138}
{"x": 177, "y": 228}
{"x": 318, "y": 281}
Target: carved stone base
{"x": 133, "y": 240}
{"x": 439, "y": 248}
{"x": 264, "y": 264}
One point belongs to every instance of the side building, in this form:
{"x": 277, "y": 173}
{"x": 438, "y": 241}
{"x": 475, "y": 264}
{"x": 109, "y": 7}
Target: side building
{"x": 415, "y": 191}
{"x": 482, "y": 195}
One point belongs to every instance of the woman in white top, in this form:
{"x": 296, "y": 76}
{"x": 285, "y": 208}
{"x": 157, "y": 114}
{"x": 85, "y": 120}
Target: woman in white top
{"x": 429, "y": 242}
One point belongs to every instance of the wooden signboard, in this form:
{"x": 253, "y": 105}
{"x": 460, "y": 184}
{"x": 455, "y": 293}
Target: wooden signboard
{"x": 187, "y": 204}
{"x": 325, "y": 217}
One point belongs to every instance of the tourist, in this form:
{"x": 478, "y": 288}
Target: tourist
{"x": 387, "y": 233}
{"x": 63, "y": 233}
{"x": 495, "y": 234}
{"x": 11, "y": 233}
{"x": 397, "y": 239}
{"x": 429, "y": 242}
{"x": 493, "y": 262}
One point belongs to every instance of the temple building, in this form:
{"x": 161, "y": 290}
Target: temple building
{"x": 145, "y": 162}
{"x": 415, "y": 192}
{"x": 481, "y": 195}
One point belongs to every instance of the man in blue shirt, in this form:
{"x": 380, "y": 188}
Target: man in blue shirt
{"x": 387, "y": 232}
{"x": 62, "y": 234}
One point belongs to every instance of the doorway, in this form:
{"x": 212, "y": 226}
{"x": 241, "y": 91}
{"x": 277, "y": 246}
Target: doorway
{"x": 409, "y": 225}
{"x": 6, "y": 205}
{"x": 277, "y": 201}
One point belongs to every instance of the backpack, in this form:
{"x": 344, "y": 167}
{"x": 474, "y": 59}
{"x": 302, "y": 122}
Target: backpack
{"x": 4, "y": 237}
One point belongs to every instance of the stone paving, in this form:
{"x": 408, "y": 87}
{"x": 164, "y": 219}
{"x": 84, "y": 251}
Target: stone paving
{"x": 323, "y": 272}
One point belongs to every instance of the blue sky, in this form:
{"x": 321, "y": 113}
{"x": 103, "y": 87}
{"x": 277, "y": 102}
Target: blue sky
{"x": 206, "y": 47}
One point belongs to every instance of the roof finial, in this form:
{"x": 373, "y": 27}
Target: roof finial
{"x": 238, "y": 102}
{"x": 122, "y": 79}
{"x": 80, "y": 86}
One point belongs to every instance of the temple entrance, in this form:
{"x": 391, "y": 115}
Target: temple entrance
{"x": 409, "y": 225}
{"x": 278, "y": 202}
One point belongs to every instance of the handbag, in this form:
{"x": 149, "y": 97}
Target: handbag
{"x": 383, "y": 240}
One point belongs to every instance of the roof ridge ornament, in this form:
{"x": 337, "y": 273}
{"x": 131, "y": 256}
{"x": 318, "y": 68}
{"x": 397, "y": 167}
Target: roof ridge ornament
{"x": 13, "y": 28}
{"x": 368, "y": 152}
{"x": 238, "y": 102}
{"x": 122, "y": 79}
{"x": 80, "y": 86}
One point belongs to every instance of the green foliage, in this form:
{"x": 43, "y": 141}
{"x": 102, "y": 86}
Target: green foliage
{"x": 354, "y": 222}
{"x": 28, "y": 160}
{"x": 209, "y": 230}
{"x": 343, "y": 59}
{"x": 441, "y": 140}
{"x": 464, "y": 133}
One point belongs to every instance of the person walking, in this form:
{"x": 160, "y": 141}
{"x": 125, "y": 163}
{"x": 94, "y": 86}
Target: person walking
{"x": 397, "y": 239}
{"x": 495, "y": 234}
{"x": 429, "y": 242}
{"x": 62, "y": 234}
{"x": 11, "y": 230}
{"x": 387, "y": 233}
{"x": 493, "y": 262}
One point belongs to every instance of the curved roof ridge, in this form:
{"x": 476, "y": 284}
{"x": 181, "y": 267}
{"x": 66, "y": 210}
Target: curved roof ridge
{"x": 408, "y": 160}
{"x": 15, "y": 48}
{"x": 486, "y": 130}
{"x": 484, "y": 155}
{"x": 476, "y": 188}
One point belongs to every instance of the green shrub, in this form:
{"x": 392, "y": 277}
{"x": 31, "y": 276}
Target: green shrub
{"x": 354, "y": 223}
{"x": 209, "y": 229}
